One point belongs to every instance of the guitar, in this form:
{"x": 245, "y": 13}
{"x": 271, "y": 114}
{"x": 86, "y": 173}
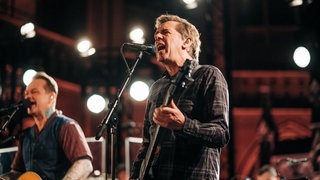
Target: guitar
{"x": 180, "y": 80}
{"x": 29, "y": 175}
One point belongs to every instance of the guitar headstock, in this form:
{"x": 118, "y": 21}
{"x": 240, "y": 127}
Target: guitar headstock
{"x": 186, "y": 70}
{"x": 181, "y": 79}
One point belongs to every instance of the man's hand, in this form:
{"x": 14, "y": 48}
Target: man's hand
{"x": 169, "y": 117}
{"x": 10, "y": 175}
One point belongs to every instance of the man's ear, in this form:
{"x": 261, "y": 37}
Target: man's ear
{"x": 186, "y": 43}
{"x": 52, "y": 96}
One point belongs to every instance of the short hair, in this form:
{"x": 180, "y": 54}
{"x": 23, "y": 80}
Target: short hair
{"x": 51, "y": 84}
{"x": 186, "y": 29}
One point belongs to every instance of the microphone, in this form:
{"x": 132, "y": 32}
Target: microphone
{"x": 150, "y": 49}
{"x": 291, "y": 161}
{"x": 25, "y": 103}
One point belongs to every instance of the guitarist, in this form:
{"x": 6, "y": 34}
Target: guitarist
{"x": 55, "y": 146}
{"x": 195, "y": 121}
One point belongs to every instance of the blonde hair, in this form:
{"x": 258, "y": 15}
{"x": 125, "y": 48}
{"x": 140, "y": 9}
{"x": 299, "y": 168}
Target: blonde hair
{"x": 186, "y": 29}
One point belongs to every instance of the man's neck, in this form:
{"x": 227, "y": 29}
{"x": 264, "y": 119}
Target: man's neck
{"x": 41, "y": 121}
{"x": 49, "y": 112}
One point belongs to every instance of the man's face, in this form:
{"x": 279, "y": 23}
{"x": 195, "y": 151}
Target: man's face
{"x": 40, "y": 99}
{"x": 168, "y": 42}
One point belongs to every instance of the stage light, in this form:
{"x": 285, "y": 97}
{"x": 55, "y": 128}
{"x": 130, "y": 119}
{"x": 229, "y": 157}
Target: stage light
{"x": 96, "y": 103}
{"x": 84, "y": 46}
{"x": 190, "y": 4}
{"x": 139, "y": 91}
{"x": 301, "y": 57}
{"x": 294, "y": 3}
{"x": 137, "y": 35}
{"x": 27, "y": 30}
{"x": 27, "y": 76}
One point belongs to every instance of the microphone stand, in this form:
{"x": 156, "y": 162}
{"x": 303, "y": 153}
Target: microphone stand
{"x": 9, "y": 119}
{"x": 105, "y": 122}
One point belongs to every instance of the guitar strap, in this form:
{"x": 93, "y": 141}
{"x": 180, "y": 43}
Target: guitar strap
{"x": 194, "y": 66}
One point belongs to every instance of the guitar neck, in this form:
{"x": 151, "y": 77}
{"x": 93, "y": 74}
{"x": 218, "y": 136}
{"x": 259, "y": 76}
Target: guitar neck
{"x": 146, "y": 163}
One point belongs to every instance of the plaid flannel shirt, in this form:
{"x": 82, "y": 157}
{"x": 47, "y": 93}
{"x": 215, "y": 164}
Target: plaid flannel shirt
{"x": 193, "y": 152}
